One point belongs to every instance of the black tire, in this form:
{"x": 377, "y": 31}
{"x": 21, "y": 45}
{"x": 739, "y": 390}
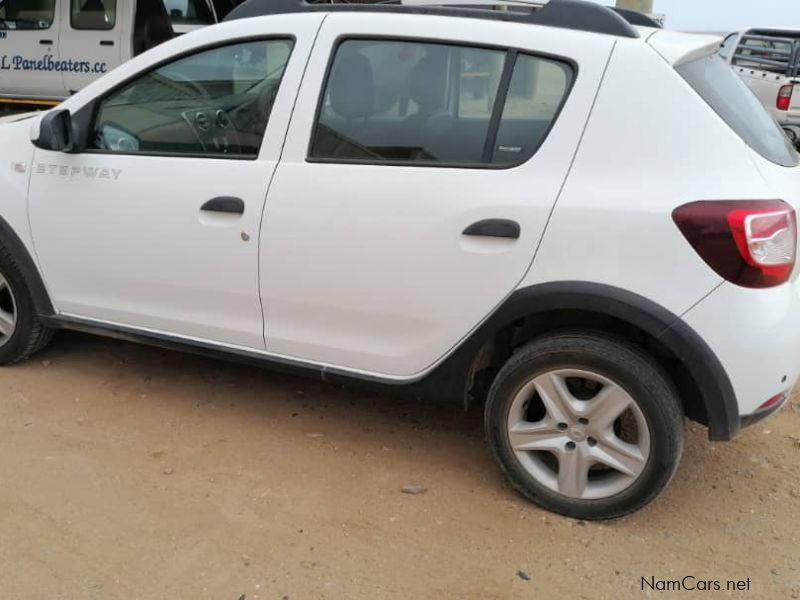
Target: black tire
{"x": 629, "y": 368}
{"x": 29, "y": 335}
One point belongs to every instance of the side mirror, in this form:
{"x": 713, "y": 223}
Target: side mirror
{"x": 56, "y": 132}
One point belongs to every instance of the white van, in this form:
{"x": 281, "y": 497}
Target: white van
{"x": 49, "y": 49}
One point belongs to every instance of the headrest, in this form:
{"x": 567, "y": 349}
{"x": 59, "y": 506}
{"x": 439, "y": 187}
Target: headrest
{"x": 427, "y": 84}
{"x": 352, "y": 87}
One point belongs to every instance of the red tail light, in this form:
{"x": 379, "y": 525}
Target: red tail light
{"x": 777, "y": 399}
{"x": 785, "y": 97}
{"x": 752, "y": 243}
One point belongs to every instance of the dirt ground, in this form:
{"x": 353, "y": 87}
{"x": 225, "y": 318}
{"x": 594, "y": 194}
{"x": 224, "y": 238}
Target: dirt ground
{"x": 131, "y": 472}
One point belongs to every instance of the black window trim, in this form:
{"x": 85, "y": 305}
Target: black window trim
{"x": 87, "y": 114}
{"x": 511, "y": 52}
{"x": 72, "y": 19}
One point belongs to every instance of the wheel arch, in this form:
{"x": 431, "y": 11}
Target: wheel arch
{"x": 700, "y": 379}
{"x": 30, "y": 272}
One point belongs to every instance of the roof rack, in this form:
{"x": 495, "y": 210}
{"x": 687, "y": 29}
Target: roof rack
{"x": 567, "y": 14}
{"x": 768, "y": 53}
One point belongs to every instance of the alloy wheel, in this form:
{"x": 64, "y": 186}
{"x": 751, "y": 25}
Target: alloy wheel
{"x": 8, "y": 311}
{"x": 578, "y": 433}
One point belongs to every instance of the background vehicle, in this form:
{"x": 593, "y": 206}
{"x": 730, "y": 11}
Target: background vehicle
{"x": 768, "y": 60}
{"x": 188, "y": 15}
{"x": 453, "y": 202}
{"x": 49, "y": 49}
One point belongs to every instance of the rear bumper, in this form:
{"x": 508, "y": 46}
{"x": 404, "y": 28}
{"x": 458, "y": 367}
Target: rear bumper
{"x": 755, "y": 335}
{"x": 763, "y": 413}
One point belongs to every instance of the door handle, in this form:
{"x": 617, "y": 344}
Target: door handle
{"x": 106, "y": 42}
{"x": 46, "y": 42}
{"x": 224, "y": 204}
{"x": 498, "y": 228}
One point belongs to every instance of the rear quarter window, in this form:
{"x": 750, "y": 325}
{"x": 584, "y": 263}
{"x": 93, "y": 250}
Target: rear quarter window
{"x": 733, "y": 101}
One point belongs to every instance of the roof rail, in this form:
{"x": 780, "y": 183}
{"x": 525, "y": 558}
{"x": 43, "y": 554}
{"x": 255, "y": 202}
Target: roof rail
{"x": 636, "y": 18}
{"x": 476, "y": 3}
{"x": 566, "y": 14}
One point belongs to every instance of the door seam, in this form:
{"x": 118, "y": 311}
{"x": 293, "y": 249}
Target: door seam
{"x": 272, "y": 178}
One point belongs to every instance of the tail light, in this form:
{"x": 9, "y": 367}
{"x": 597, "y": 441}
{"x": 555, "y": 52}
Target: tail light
{"x": 752, "y": 243}
{"x": 785, "y": 97}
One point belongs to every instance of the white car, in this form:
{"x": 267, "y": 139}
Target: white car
{"x": 456, "y": 203}
{"x": 49, "y": 49}
{"x": 768, "y": 60}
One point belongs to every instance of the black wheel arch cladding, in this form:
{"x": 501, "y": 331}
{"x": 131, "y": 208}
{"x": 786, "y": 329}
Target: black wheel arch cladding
{"x": 10, "y": 240}
{"x": 717, "y": 398}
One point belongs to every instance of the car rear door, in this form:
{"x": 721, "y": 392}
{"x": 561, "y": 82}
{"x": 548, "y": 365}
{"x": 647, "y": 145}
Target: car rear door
{"x": 395, "y": 223}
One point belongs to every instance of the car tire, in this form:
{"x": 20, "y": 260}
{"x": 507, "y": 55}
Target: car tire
{"x": 585, "y": 425}
{"x": 22, "y": 334}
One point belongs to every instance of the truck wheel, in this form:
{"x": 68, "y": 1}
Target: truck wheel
{"x": 21, "y": 332}
{"x": 585, "y": 425}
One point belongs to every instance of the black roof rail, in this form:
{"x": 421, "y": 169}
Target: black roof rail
{"x": 566, "y": 14}
{"x": 636, "y": 18}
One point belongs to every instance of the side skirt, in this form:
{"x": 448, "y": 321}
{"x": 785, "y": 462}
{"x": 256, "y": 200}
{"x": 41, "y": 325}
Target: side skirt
{"x": 238, "y": 355}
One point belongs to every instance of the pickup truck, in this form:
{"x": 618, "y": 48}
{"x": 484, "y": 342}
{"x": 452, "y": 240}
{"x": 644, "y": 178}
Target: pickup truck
{"x": 49, "y": 49}
{"x": 768, "y": 61}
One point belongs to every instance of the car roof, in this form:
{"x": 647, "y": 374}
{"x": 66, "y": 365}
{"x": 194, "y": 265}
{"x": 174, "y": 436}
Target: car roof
{"x": 568, "y": 14}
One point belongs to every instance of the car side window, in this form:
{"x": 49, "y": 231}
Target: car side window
{"x": 97, "y": 15}
{"x": 21, "y": 15}
{"x": 408, "y": 102}
{"x": 535, "y": 95}
{"x": 728, "y": 46}
{"x": 214, "y": 103}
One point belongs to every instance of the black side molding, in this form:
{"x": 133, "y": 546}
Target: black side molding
{"x": 702, "y": 365}
{"x": 449, "y": 381}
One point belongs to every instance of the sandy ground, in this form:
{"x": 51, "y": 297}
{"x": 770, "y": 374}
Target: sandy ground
{"x": 132, "y": 472}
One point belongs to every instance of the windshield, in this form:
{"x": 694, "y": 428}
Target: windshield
{"x": 732, "y": 100}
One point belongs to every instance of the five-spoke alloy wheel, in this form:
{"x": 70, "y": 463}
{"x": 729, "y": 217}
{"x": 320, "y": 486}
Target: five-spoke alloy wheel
{"x": 594, "y": 429}
{"x": 585, "y": 425}
{"x": 8, "y": 311}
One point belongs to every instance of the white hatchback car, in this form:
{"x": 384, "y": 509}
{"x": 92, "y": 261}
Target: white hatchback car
{"x": 588, "y": 225}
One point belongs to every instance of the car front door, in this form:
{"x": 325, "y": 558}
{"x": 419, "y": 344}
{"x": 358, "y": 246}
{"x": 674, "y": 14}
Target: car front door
{"x": 29, "y": 56}
{"x": 418, "y": 175}
{"x": 155, "y": 224}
